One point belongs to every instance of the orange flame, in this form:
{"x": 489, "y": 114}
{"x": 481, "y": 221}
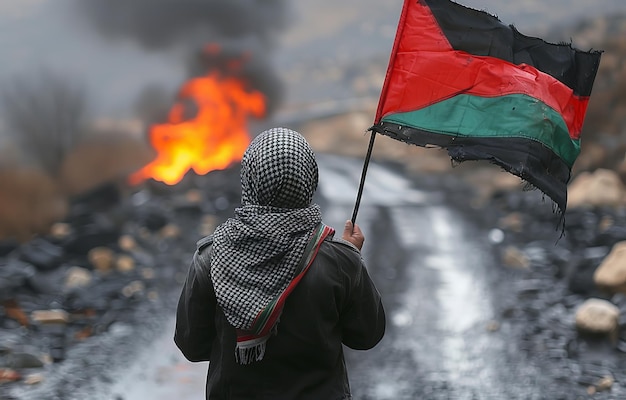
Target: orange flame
{"x": 216, "y": 137}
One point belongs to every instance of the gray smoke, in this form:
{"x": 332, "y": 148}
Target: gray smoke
{"x": 244, "y": 30}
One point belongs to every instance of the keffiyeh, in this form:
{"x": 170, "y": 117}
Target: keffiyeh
{"x": 256, "y": 254}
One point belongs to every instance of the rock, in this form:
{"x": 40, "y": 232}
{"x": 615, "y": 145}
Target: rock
{"x": 151, "y": 217}
{"x": 8, "y": 340}
{"x": 13, "y": 275}
{"x": 603, "y": 187}
{"x": 170, "y": 231}
{"x": 513, "y": 257}
{"x": 148, "y": 273}
{"x": 33, "y": 379}
{"x": 55, "y": 334}
{"x": 512, "y": 221}
{"x": 125, "y": 263}
{"x": 90, "y": 231}
{"x": 133, "y": 288}
{"x": 611, "y": 274}
{"x": 41, "y": 253}
{"x": 50, "y": 316}
{"x": 77, "y": 277}
{"x": 597, "y": 316}
{"x": 60, "y": 230}
{"x": 13, "y": 310}
{"x": 7, "y": 246}
{"x": 9, "y": 375}
{"x": 194, "y": 196}
{"x": 605, "y": 383}
{"x": 23, "y": 360}
{"x": 48, "y": 282}
{"x": 127, "y": 243}
{"x": 102, "y": 259}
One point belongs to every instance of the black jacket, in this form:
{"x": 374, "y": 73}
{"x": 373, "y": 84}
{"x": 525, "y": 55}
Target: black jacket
{"x": 335, "y": 302}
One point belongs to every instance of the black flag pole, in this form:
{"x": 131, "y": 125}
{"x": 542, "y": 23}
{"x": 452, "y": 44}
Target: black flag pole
{"x": 363, "y": 174}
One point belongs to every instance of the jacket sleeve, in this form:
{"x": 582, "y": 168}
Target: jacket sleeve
{"x": 363, "y": 318}
{"x": 195, "y": 314}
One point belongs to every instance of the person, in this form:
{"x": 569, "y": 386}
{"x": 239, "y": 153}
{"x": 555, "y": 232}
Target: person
{"x": 272, "y": 296}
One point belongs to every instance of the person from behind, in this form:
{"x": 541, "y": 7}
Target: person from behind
{"x": 272, "y": 296}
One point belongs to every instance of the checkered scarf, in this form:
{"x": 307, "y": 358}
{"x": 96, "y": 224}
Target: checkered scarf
{"x": 256, "y": 253}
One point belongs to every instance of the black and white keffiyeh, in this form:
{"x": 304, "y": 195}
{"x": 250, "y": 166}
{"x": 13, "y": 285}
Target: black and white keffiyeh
{"x": 256, "y": 253}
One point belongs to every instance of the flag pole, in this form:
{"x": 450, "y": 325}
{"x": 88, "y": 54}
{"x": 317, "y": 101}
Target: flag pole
{"x": 363, "y": 174}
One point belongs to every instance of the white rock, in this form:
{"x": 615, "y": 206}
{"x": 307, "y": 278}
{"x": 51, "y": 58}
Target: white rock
{"x": 611, "y": 274}
{"x": 597, "y": 316}
{"x": 603, "y": 187}
{"x": 77, "y": 277}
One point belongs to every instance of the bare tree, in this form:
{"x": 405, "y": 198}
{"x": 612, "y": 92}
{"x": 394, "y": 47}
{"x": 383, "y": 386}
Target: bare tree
{"x": 45, "y": 114}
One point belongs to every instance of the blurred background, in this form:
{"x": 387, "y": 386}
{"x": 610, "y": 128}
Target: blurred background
{"x": 79, "y": 75}
{"x": 97, "y": 94}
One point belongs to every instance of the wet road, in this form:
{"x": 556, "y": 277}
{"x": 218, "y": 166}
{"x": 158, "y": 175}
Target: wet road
{"x": 434, "y": 272}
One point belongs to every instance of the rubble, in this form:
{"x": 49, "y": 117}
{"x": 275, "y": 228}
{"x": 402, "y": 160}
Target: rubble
{"x": 95, "y": 270}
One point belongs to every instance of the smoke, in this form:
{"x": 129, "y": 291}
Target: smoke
{"x": 244, "y": 30}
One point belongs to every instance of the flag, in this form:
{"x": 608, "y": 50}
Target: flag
{"x": 460, "y": 79}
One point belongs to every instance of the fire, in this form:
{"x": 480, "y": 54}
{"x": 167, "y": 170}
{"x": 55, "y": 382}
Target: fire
{"x": 213, "y": 139}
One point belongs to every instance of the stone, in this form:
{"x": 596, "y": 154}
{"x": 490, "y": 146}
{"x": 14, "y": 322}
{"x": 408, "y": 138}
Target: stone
{"x": 148, "y": 273}
{"x": 13, "y": 275}
{"x": 603, "y": 187}
{"x": 41, "y": 253}
{"x": 125, "y": 263}
{"x": 23, "y": 360}
{"x": 78, "y": 277}
{"x": 151, "y": 218}
{"x": 512, "y": 221}
{"x": 90, "y": 231}
{"x": 194, "y": 196}
{"x": 50, "y": 316}
{"x": 13, "y": 310}
{"x": 9, "y": 375}
{"x": 33, "y": 379}
{"x": 133, "y": 288}
{"x": 611, "y": 273}
{"x": 60, "y": 230}
{"x": 597, "y": 316}
{"x": 513, "y": 257}
{"x": 605, "y": 383}
{"x": 102, "y": 259}
{"x": 170, "y": 231}
{"x": 127, "y": 243}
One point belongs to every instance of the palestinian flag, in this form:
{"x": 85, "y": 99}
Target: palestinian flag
{"x": 460, "y": 79}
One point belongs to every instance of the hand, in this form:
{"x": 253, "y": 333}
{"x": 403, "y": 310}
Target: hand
{"x": 352, "y": 233}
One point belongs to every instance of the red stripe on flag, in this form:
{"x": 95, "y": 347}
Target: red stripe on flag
{"x": 424, "y": 69}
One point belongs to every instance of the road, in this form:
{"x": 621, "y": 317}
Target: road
{"x": 433, "y": 271}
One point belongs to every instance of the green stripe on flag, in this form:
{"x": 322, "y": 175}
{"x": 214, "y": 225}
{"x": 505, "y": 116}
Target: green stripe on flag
{"x": 485, "y": 117}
